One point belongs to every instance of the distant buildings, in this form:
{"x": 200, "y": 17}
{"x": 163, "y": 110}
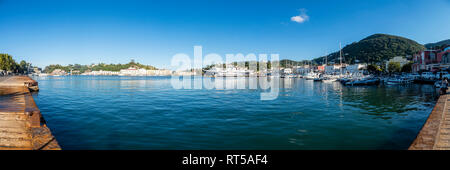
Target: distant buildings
{"x": 132, "y": 71}
{"x": 398, "y": 59}
{"x": 432, "y": 60}
{"x": 58, "y": 72}
{"x": 37, "y": 70}
{"x": 355, "y": 68}
{"x": 302, "y": 69}
{"x": 320, "y": 68}
{"x": 286, "y": 71}
{"x": 229, "y": 71}
{"x": 332, "y": 68}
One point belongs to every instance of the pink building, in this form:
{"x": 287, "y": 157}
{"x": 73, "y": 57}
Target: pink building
{"x": 432, "y": 60}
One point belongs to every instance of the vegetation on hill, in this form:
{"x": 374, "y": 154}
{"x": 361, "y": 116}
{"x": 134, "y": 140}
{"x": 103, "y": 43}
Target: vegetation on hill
{"x": 394, "y": 67}
{"x": 376, "y": 48}
{"x": 7, "y": 63}
{"x": 97, "y": 67}
{"x": 439, "y": 44}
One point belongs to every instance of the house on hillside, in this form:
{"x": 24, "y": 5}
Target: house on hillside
{"x": 58, "y": 72}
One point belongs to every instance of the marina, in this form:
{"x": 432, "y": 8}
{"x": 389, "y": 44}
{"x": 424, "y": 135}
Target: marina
{"x": 120, "y": 112}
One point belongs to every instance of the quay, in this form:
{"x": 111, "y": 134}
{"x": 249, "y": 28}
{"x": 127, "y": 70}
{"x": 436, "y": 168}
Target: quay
{"x": 22, "y": 126}
{"x": 435, "y": 133}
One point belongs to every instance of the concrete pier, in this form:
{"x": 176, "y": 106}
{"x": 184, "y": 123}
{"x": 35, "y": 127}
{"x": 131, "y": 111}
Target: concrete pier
{"x": 435, "y": 134}
{"x": 22, "y": 126}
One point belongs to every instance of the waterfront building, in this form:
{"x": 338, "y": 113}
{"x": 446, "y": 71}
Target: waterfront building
{"x": 230, "y": 71}
{"x": 184, "y": 73}
{"x": 303, "y": 69}
{"x": 320, "y": 68}
{"x": 432, "y": 60}
{"x": 286, "y": 70}
{"x": 101, "y": 73}
{"x": 332, "y": 68}
{"x": 354, "y": 68}
{"x": 162, "y": 72}
{"x": 425, "y": 60}
{"x": 444, "y": 55}
{"x": 132, "y": 71}
{"x": 37, "y": 70}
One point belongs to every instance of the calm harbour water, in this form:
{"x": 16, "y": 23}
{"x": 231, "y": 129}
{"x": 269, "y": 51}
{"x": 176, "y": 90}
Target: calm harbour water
{"x": 111, "y": 112}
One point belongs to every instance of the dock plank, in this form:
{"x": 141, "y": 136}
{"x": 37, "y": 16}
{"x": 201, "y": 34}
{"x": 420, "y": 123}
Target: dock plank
{"x": 16, "y": 129}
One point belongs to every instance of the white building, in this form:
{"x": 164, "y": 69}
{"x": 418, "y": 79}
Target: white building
{"x": 302, "y": 69}
{"x": 332, "y": 69}
{"x": 230, "y": 71}
{"x": 286, "y": 71}
{"x": 354, "y": 68}
{"x": 398, "y": 59}
{"x": 130, "y": 72}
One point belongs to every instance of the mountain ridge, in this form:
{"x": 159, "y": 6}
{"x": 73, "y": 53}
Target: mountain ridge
{"x": 437, "y": 44}
{"x": 375, "y": 48}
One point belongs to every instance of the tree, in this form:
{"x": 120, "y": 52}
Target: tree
{"x": 7, "y": 63}
{"x": 407, "y": 68}
{"x": 98, "y": 67}
{"x": 394, "y": 67}
{"x": 375, "y": 48}
{"x": 23, "y": 66}
{"x": 373, "y": 68}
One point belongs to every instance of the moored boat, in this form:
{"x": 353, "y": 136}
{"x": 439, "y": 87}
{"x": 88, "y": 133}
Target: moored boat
{"x": 401, "y": 80}
{"x": 364, "y": 82}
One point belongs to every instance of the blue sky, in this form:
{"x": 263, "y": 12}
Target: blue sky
{"x": 151, "y": 32}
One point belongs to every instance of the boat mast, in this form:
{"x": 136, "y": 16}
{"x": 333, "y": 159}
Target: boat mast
{"x": 340, "y": 56}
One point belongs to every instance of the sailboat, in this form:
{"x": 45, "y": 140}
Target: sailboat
{"x": 328, "y": 79}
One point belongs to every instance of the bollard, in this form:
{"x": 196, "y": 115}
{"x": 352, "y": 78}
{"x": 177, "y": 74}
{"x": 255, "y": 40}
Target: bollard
{"x": 35, "y": 117}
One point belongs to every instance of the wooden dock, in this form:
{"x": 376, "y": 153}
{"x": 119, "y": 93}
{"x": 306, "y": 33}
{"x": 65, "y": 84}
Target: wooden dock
{"x": 435, "y": 134}
{"x": 22, "y": 126}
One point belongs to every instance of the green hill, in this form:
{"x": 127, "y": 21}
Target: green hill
{"x": 438, "y": 44}
{"x": 97, "y": 67}
{"x": 375, "y": 48}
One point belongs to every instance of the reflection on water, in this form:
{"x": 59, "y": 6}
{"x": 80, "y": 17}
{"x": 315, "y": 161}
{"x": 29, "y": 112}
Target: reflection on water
{"x": 104, "y": 112}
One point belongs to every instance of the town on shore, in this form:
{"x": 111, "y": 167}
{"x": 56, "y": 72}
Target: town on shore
{"x": 374, "y": 59}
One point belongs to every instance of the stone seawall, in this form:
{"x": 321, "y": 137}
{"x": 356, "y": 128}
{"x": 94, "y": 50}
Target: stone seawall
{"x": 22, "y": 126}
{"x": 435, "y": 133}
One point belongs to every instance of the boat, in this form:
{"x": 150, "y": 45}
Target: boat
{"x": 438, "y": 84}
{"x": 287, "y": 76}
{"x": 318, "y": 79}
{"x": 401, "y": 80}
{"x": 310, "y": 76}
{"x": 329, "y": 80}
{"x": 363, "y": 82}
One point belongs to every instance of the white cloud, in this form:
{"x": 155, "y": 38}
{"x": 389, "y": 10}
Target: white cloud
{"x": 300, "y": 18}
